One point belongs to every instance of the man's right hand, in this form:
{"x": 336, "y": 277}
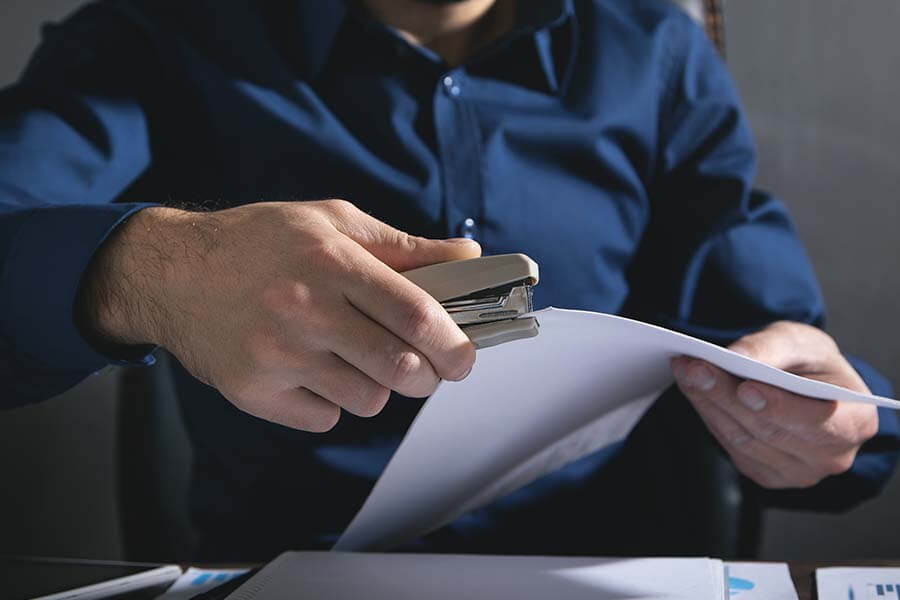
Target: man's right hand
{"x": 291, "y": 310}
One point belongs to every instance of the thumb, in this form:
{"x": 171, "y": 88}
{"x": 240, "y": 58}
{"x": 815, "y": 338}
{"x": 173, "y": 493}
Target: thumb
{"x": 398, "y": 249}
{"x": 403, "y": 252}
{"x": 793, "y": 347}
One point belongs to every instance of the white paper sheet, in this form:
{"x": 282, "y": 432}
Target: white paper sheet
{"x": 350, "y": 576}
{"x": 533, "y": 406}
{"x": 760, "y": 581}
{"x": 858, "y": 583}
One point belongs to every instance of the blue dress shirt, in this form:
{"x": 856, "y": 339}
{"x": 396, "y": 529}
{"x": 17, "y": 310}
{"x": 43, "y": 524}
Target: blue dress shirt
{"x": 604, "y": 138}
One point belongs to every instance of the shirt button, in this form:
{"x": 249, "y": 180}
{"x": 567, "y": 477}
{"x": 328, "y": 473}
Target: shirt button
{"x": 468, "y": 229}
{"x": 451, "y": 87}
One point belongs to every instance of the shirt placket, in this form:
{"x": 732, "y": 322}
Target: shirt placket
{"x": 459, "y": 145}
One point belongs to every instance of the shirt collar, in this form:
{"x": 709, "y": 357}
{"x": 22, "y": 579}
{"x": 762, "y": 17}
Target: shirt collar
{"x": 549, "y": 23}
{"x": 315, "y": 26}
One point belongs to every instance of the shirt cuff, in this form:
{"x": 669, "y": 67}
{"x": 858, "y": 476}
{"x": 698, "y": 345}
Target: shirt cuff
{"x": 47, "y": 258}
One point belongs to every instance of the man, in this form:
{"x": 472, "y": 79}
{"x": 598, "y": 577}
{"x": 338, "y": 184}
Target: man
{"x": 603, "y": 138}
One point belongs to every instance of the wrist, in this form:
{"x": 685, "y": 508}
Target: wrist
{"x": 123, "y": 298}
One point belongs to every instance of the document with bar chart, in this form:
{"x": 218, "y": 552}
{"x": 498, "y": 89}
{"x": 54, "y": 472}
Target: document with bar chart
{"x": 858, "y": 583}
{"x": 883, "y": 590}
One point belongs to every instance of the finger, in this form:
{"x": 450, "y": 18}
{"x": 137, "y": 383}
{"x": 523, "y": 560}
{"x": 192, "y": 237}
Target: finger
{"x": 297, "y": 408}
{"x": 711, "y": 391}
{"x": 396, "y": 248}
{"x": 381, "y": 355}
{"x": 819, "y": 422}
{"x": 765, "y": 464}
{"x": 767, "y": 429}
{"x": 707, "y": 385}
{"x": 346, "y": 386}
{"x": 704, "y": 382}
{"x": 411, "y": 314}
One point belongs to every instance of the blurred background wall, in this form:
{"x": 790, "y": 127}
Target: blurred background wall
{"x": 819, "y": 80}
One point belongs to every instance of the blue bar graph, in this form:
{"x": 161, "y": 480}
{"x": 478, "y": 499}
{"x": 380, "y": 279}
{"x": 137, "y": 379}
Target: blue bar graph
{"x": 883, "y": 591}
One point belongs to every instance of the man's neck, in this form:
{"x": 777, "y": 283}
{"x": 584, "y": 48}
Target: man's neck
{"x": 454, "y": 30}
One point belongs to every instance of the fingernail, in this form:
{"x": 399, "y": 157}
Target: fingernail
{"x": 460, "y": 241}
{"x": 466, "y": 374}
{"x": 701, "y": 378}
{"x": 751, "y": 398}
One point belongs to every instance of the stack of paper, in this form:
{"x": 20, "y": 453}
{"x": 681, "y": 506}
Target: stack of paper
{"x": 350, "y": 576}
{"x": 339, "y": 576}
{"x": 532, "y": 406}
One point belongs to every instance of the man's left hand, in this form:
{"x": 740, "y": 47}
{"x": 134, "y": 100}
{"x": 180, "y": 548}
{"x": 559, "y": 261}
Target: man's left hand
{"x": 776, "y": 438}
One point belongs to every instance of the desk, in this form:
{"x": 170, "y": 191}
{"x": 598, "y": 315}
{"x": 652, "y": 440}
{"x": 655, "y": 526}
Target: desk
{"x": 801, "y": 573}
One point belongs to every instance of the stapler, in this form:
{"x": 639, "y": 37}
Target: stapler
{"x": 485, "y": 296}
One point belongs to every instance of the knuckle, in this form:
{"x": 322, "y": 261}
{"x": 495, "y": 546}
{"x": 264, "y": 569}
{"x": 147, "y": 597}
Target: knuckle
{"x": 339, "y": 206}
{"x": 750, "y": 345}
{"x": 404, "y": 367}
{"x": 801, "y": 330}
{"x": 260, "y": 349}
{"x": 405, "y": 242}
{"x": 325, "y": 252}
{"x": 829, "y": 431}
{"x": 838, "y": 465}
{"x": 267, "y": 350}
{"x": 868, "y": 429}
{"x": 421, "y": 321}
{"x": 772, "y": 434}
{"x": 738, "y": 439}
{"x": 286, "y": 299}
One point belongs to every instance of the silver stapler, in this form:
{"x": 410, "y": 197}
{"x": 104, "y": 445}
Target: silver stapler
{"x": 485, "y": 296}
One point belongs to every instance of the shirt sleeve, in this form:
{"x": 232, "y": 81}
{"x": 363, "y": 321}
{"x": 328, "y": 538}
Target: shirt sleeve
{"x": 69, "y": 147}
{"x": 719, "y": 259}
